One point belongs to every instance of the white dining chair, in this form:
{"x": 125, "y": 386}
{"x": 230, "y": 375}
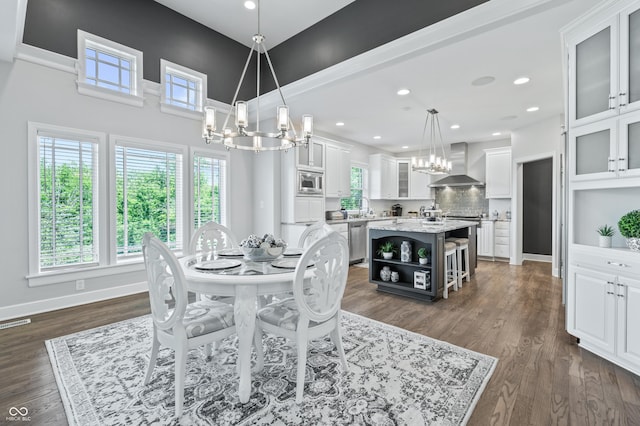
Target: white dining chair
{"x": 313, "y": 233}
{"x": 212, "y": 237}
{"x": 177, "y": 324}
{"x": 314, "y": 309}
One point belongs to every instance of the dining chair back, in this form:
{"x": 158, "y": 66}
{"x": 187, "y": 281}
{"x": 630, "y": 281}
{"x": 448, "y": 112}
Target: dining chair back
{"x": 313, "y": 233}
{"x": 314, "y": 309}
{"x": 211, "y": 237}
{"x": 176, "y": 323}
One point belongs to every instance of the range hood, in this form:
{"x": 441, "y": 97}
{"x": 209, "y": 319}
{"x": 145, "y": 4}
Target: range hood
{"x": 458, "y": 176}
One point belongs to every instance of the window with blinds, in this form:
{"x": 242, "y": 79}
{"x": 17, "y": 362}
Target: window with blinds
{"x": 209, "y": 190}
{"x": 148, "y": 197}
{"x": 68, "y": 202}
{"x": 358, "y": 189}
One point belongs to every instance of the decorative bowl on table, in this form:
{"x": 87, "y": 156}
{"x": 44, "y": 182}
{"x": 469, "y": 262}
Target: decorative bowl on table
{"x": 262, "y": 249}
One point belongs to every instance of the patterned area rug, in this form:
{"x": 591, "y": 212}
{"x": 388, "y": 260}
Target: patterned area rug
{"x": 395, "y": 377}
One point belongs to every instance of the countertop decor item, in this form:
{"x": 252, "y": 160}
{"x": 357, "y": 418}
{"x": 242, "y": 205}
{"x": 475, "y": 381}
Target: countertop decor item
{"x": 387, "y": 249}
{"x": 605, "y": 233}
{"x": 262, "y": 249}
{"x": 629, "y": 226}
{"x": 283, "y": 138}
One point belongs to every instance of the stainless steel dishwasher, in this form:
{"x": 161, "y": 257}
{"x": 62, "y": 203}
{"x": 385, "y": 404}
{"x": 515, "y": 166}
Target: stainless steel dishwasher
{"x": 357, "y": 241}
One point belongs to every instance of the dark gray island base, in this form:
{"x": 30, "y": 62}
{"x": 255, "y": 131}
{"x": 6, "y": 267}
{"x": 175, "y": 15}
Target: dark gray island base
{"x": 419, "y": 234}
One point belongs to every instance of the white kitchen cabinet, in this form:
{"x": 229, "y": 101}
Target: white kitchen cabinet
{"x": 603, "y": 308}
{"x": 311, "y": 157}
{"x": 498, "y": 172}
{"x": 383, "y": 180}
{"x": 309, "y": 209}
{"x": 485, "y": 239}
{"x": 337, "y": 172}
{"x": 403, "y": 168}
{"x": 419, "y": 185}
{"x": 501, "y": 239}
{"x": 603, "y": 71}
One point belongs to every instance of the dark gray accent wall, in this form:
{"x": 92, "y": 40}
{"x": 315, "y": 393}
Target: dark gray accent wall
{"x": 537, "y": 182}
{"x": 159, "y": 32}
{"x": 145, "y": 25}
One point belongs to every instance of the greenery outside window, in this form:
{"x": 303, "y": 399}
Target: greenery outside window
{"x": 68, "y": 201}
{"x": 148, "y": 191}
{"x": 209, "y": 189}
{"x": 359, "y": 179}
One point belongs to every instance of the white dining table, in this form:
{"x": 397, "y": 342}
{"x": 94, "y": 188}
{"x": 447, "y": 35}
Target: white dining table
{"x": 245, "y": 282}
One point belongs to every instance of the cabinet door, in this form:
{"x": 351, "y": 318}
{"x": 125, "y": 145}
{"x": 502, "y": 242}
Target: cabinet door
{"x": 498, "y": 173}
{"x": 628, "y": 342}
{"x": 332, "y": 172}
{"x": 390, "y": 182}
{"x": 591, "y": 314}
{"x": 485, "y": 239}
{"x": 594, "y": 149}
{"x": 403, "y": 179}
{"x": 628, "y": 158}
{"x": 302, "y": 213}
{"x": 629, "y": 91}
{"x": 419, "y": 185}
{"x": 316, "y": 209}
{"x": 311, "y": 156}
{"x": 593, "y": 80}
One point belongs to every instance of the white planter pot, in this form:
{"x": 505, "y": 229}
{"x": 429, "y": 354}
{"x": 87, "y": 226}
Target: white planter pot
{"x": 387, "y": 256}
{"x": 634, "y": 244}
{"x": 423, "y": 260}
{"x": 604, "y": 241}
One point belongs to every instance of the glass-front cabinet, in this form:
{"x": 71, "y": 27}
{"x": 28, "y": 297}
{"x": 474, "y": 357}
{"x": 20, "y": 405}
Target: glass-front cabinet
{"x": 311, "y": 156}
{"x": 607, "y": 149}
{"x": 604, "y": 69}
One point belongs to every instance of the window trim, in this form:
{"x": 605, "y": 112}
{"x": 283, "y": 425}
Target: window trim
{"x": 135, "y": 98}
{"x": 33, "y": 189}
{"x": 187, "y": 73}
{"x": 212, "y": 153}
{"x": 182, "y": 198}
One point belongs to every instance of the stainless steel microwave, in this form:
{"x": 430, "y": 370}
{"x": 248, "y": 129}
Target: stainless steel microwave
{"x": 310, "y": 183}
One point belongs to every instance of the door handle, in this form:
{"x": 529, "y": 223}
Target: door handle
{"x": 622, "y": 95}
{"x": 612, "y": 104}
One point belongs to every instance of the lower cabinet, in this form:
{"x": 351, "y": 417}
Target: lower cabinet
{"x": 501, "y": 239}
{"x": 485, "y": 239}
{"x": 603, "y": 308}
{"x": 308, "y": 209}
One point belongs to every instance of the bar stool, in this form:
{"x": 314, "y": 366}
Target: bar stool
{"x": 462, "y": 245}
{"x": 450, "y": 268}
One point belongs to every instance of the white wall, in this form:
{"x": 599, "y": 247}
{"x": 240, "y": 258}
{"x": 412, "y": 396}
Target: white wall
{"x": 32, "y": 92}
{"x": 540, "y": 140}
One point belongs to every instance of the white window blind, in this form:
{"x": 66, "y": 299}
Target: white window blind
{"x": 68, "y": 202}
{"x": 148, "y": 197}
{"x": 209, "y": 190}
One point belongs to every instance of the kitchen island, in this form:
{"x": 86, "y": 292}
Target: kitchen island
{"x": 418, "y": 233}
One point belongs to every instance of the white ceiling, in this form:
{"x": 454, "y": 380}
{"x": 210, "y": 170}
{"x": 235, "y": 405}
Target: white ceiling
{"x": 440, "y": 78}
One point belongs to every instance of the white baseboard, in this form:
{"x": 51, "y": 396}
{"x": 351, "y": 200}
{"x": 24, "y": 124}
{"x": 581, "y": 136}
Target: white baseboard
{"x": 537, "y": 257}
{"x": 32, "y": 308}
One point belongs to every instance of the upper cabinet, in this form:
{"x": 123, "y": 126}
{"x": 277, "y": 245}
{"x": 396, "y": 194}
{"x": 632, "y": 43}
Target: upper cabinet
{"x": 337, "y": 172}
{"x": 498, "y": 172}
{"x": 312, "y": 156}
{"x": 604, "y": 68}
{"x": 383, "y": 177}
{"x": 419, "y": 185}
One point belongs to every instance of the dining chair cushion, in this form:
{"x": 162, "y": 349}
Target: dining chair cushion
{"x": 283, "y": 314}
{"x": 206, "y": 316}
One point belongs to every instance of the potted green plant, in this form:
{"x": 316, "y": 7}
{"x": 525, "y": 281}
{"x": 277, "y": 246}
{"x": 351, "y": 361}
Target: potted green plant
{"x": 423, "y": 255}
{"x": 387, "y": 249}
{"x": 605, "y": 233}
{"x": 629, "y": 226}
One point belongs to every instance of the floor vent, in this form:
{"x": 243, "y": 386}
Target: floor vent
{"x": 15, "y": 323}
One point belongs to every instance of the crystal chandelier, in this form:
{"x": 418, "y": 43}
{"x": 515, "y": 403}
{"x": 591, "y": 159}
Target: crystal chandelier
{"x": 285, "y": 136}
{"x": 432, "y": 164}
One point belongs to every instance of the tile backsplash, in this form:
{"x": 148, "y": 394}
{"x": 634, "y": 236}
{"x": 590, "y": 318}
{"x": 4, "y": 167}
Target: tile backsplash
{"x": 462, "y": 201}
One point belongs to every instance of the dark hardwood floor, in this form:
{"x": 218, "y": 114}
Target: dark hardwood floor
{"x": 512, "y": 313}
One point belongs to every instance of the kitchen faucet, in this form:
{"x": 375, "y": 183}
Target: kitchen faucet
{"x": 366, "y": 212}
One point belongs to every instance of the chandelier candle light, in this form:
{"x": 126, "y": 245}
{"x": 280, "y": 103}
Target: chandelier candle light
{"x": 285, "y": 136}
{"x": 433, "y": 164}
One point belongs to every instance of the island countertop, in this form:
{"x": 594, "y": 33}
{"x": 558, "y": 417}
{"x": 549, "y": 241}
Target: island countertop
{"x": 420, "y": 225}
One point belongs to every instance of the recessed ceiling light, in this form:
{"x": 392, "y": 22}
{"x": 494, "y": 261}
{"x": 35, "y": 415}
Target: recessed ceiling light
{"x": 521, "y": 80}
{"x": 496, "y": 134}
{"x": 455, "y": 126}
{"x": 250, "y": 5}
{"x": 483, "y": 81}
{"x": 533, "y": 109}
{"x": 405, "y": 147}
{"x": 339, "y": 123}
{"x": 403, "y": 92}
{"x": 377, "y": 137}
